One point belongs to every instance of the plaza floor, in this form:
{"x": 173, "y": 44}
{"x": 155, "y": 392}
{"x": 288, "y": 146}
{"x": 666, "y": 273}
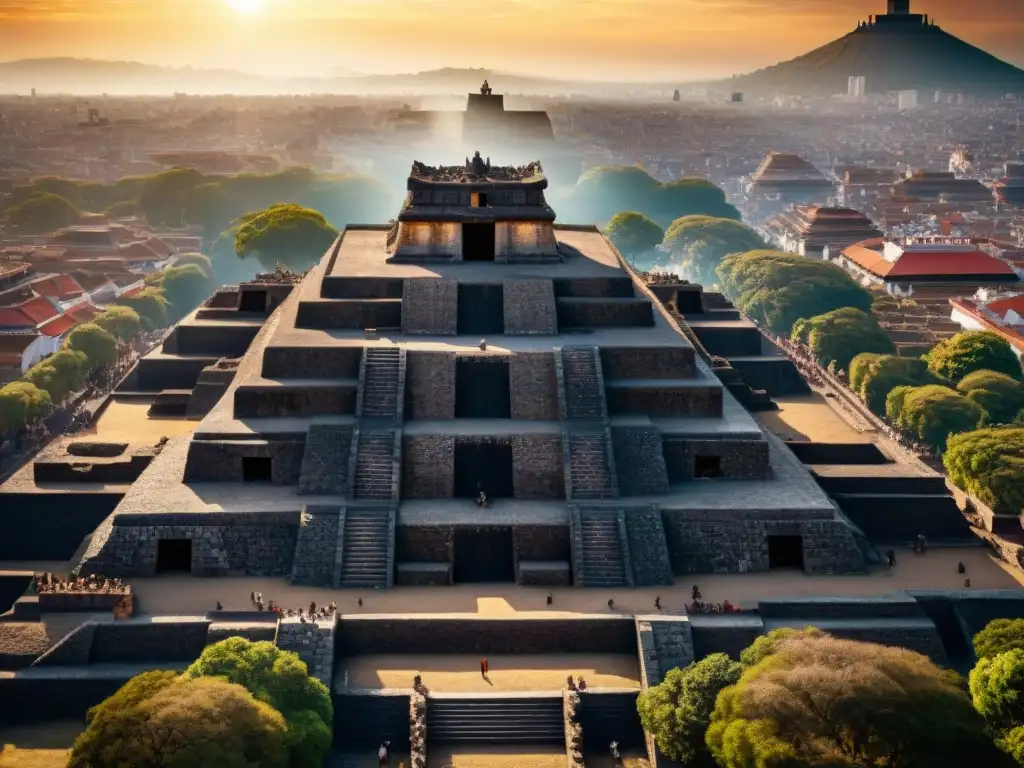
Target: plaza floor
{"x": 45, "y": 745}
{"x": 810, "y": 418}
{"x": 128, "y": 421}
{"x": 185, "y": 595}
{"x": 443, "y": 673}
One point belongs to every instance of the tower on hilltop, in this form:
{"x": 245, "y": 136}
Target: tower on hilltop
{"x": 899, "y": 7}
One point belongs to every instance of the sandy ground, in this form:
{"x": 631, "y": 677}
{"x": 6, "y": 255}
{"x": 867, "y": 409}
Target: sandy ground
{"x": 461, "y": 673}
{"x": 38, "y": 746}
{"x": 184, "y": 595}
{"x": 809, "y": 417}
{"x": 126, "y": 421}
{"x": 485, "y": 757}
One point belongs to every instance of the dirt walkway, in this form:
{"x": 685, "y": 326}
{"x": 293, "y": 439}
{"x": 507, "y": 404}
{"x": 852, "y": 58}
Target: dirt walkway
{"x": 809, "y": 417}
{"x": 126, "y": 421}
{"x": 461, "y": 673}
{"x": 486, "y": 757}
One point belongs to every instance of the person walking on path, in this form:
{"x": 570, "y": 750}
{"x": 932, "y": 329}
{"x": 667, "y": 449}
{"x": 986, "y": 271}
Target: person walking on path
{"x": 484, "y": 669}
{"x": 382, "y": 755}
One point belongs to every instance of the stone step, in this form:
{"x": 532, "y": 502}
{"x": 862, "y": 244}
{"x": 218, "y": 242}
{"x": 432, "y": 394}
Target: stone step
{"x": 589, "y": 473}
{"x": 375, "y": 465}
{"x": 325, "y": 460}
{"x": 531, "y": 720}
{"x": 603, "y": 565}
{"x": 364, "y": 560}
{"x": 380, "y": 383}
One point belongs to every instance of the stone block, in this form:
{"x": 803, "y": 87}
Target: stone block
{"x": 537, "y": 469}
{"x": 529, "y": 307}
{"x": 430, "y": 306}
{"x": 428, "y": 467}
{"x": 533, "y": 386}
{"x": 739, "y": 459}
{"x": 430, "y": 386}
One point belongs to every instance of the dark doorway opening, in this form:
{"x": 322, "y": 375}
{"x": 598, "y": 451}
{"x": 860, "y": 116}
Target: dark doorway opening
{"x": 483, "y": 466}
{"x": 173, "y": 555}
{"x": 481, "y": 309}
{"x": 786, "y": 552}
{"x": 483, "y": 555}
{"x": 482, "y": 199}
{"x": 252, "y": 301}
{"x": 707, "y": 466}
{"x": 478, "y": 242}
{"x": 482, "y": 388}
{"x": 257, "y": 469}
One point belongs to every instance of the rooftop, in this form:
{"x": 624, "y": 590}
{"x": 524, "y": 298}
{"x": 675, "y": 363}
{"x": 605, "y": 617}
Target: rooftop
{"x": 476, "y": 170}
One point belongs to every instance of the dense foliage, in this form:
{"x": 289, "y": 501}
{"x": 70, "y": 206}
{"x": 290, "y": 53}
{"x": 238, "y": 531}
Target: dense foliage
{"x": 633, "y": 234}
{"x": 678, "y": 710}
{"x": 969, "y": 351}
{"x": 151, "y": 306}
{"x": 42, "y": 213}
{"x": 158, "y": 720}
{"x": 999, "y": 636}
{"x": 98, "y": 346}
{"x": 776, "y": 289}
{"x": 839, "y": 335}
{"x": 932, "y": 413}
{"x": 823, "y": 702}
{"x": 22, "y": 402}
{"x": 201, "y": 260}
{"x": 605, "y": 190}
{"x": 289, "y": 235}
{"x": 123, "y": 323}
{"x": 997, "y": 688}
{"x": 60, "y": 374}
{"x": 989, "y": 465}
{"x": 280, "y": 679}
{"x": 999, "y": 395}
{"x": 698, "y": 244}
{"x": 873, "y": 377}
{"x": 185, "y": 288}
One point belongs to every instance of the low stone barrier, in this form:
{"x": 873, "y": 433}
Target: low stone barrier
{"x": 573, "y": 729}
{"x": 417, "y": 730}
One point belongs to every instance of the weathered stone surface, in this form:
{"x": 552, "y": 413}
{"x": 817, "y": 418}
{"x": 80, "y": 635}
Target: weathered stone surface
{"x": 648, "y": 549}
{"x": 639, "y": 461}
{"x": 537, "y": 471}
{"x": 313, "y": 641}
{"x": 648, "y": 362}
{"x": 428, "y": 467}
{"x": 315, "y": 546}
{"x": 430, "y": 306}
{"x": 221, "y": 461}
{"x": 324, "y": 468}
{"x": 430, "y": 386}
{"x": 533, "y": 387}
{"x": 740, "y": 459}
{"x": 529, "y": 307}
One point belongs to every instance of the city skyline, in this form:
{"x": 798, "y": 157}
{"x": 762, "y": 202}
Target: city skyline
{"x": 652, "y": 39}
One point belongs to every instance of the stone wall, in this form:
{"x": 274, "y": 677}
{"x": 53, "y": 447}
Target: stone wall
{"x": 424, "y": 543}
{"x": 72, "y": 651}
{"x": 313, "y": 642}
{"x": 541, "y": 542}
{"x": 728, "y": 638}
{"x": 430, "y": 306}
{"x": 537, "y": 468}
{"x": 705, "y": 542}
{"x": 533, "y": 386}
{"x": 30, "y": 699}
{"x": 428, "y": 467}
{"x": 438, "y": 239}
{"x": 311, "y": 362}
{"x": 595, "y": 287}
{"x": 648, "y": 549}
{"x": 250, "y": 546}
{"x": 350, "y": 313}
{"x": 149, "y": 640}
{"x": 648, "y": 362}
{"x": 283, "y": 402}
{"x": 544, "y": 574}
{"x": 514, "y": 240}
{"x": 47, "y": 526}
{"x": 670, "y": 402}
{"x": 740, "y": 459}
{"x": 210, "y": 461}
{"x": 611, "y": 313}
{"x": 314, "y": 559}
{"x": 639, "y": 461}
{"x": 367, "y": 719}
{"x": 430, "y": 386}
{"x": 615, "y": 634}
{"x": 223, "y": 340}
{"x": 73, "y": 469}
{"x": 529, "y": 307}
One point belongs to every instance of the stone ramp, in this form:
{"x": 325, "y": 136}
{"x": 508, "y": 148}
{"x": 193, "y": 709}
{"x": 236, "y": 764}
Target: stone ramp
{"x": 325, "y": 460}
{"x": 316, "y": 546}
{"x": 648, "y": 547}
{"x": 600, "y": 558}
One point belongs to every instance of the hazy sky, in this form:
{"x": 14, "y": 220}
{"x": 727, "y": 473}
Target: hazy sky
{"x": 605, "y": 39}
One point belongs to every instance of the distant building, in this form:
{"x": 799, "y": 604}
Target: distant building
{"x": 857, "y": 87}
{"x": 941, "y": 185}
{"x": 737, "y": 98}
{"x": 1010, "y": 188}
{"x": 1003, "y": 315}
{"x": 907, "y": 100}
{"x": 809, "y": 229}
{"x": 903, "y": 267}
{"x": 791, "y": 179}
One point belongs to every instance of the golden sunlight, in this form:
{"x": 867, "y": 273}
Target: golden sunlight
{"x": 246, "y": 7}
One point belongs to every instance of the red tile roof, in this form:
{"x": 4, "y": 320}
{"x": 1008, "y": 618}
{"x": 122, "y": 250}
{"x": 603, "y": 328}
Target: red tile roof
{"x": 58, "y": 326}
{"x": 39, "y": 309}
{"x": 133, "y": 291}
{"x": 1010, "y": 333}
{"x": 12, "y": 317}
{"x": 61, "y": 287}
{"x": 1002, "y": 306}
{"x": 16, "y": 343}
{"x": 84, "y": 313}
{"x": 966, "y": 263}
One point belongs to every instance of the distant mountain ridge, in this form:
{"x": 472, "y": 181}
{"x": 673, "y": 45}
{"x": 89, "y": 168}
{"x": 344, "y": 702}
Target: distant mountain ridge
{"x": 892, "y": 56}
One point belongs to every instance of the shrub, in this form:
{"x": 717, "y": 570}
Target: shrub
{"x": 839, "y": 335}
{"x": 999, "y": 395}
{"x": 999, "y": 636}
{"x": 989, "y": 464}
{"x": 60, "y": 374}
{"x": 699, "y": 243}
{"x": 22, "y": 402}
{"x": 884, "y": 374}
{"x": 633, "y": 234}
{"x": 932, "y": 413}
{"x": 969, "y": 351}
{"x": 98, "y": 346}
{"x": 123, "y": 323}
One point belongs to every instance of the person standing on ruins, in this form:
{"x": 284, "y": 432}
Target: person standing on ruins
{"x": 484, "y": 669}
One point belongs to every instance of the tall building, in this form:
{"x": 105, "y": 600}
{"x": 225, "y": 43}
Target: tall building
{"x": 907, "y": 100}
{"x": 857, "y": 87}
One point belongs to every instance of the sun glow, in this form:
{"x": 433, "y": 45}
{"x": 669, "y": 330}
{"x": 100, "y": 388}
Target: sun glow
{"x": 246, "y": 7}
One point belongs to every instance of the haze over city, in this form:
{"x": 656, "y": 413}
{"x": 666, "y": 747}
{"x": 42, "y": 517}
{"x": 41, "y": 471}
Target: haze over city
{"x": 674, "y": 40}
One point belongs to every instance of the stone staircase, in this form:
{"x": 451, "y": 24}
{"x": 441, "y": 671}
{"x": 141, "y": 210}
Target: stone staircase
{"x": 315, "y": 546}
{"x": 590, "y": 470}
{"x": 364, "y": 556}
{"x": 582, "y": 385}
{"x": 608, "y": 715}
{"x": 603, "y": 564}
{"x": 374, "y": 465}
{"x": 381, "y": 368}
{"x": 485, "y": 719}
{"x": 325, "y": 460}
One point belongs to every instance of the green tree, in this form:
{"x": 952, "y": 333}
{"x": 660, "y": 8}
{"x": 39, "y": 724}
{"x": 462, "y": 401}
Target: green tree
{"x": 186, "y": 287}
{"x": 151, "y": 306}
{"x": 859, "y": 367}
{"x": 199, "y": 259}
{"x": 123, "y": 210}
{"x": 767, "y": 644}
{"x": 821, "y": 702}
{"x": 881, "y": 374}
{"x": 699, "y": 243}
{"x": 836, "y": 336}
{"x": 280, "y": 679}
{"x": 42, "y": 213}
{"x": 98, "y": 346}
{"x": 163, "y": 196}
{"x": 970, "y": 351}
{"x": 173, "y": 723}
{"x": 123, "y": 323}
{"x": 999, "y": 395}
{"x": 999, "y": 636}
{"x": 932, "y": 413}
{"x": 22, "y": 402}
{"x": 677, "y": 711}
{"x": 633, "y": 234}
{"x": 60, "y": 374}
{"x": 776, "y": 289}
{"x": 989, "y": 465}
{"x": 290, "y": 235}
{"x": 997, "y": 688}
{"x": 894, "y": 404}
